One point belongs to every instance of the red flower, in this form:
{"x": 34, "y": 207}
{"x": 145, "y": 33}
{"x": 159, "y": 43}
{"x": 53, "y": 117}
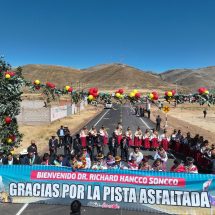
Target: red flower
{"x": 50, "y": 85}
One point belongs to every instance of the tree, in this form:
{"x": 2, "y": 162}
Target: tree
{"x": 11, "y": 83}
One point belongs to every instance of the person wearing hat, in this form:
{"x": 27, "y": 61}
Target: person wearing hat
{"x": 164, "y": 140}
{"x": 99, "y": 164}
{"x": 138, "y": 137}
{"x": 53, "y": 145}
{"x": 128, "y": 135}
{"x": 118, "y": 163}
{"x": 146, "y": 140}
{"x": 83, "y": 135}
{"x": 190, "y": 167}
{"x": 178, "y": 166}
{"x": 31, "y": 159}
{"x": 132, "y": 164}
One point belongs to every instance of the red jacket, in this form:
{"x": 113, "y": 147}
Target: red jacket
{"x": 179, "y": 168}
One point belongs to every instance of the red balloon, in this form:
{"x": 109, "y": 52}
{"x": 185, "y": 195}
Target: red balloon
{"x": 155, "y": 97}
{"x": 8, "y": 120}
{"x": 95, "y": 90}
{"x": 94, "y": 94}
{"x": 137, "y": 95}
{"x": 173, "y": 92}
{"x": 121, "y": 91}
{"x": 202, "y": 90}
{"x": 70, "y": 90}
{"x": 166, "y": 93}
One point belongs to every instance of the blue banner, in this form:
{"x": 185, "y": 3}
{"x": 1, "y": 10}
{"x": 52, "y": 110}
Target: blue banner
{"x": 133, "y": 190}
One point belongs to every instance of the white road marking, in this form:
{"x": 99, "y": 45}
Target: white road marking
{"x": 22, "y": 209}
{"x": 101, "y": 117}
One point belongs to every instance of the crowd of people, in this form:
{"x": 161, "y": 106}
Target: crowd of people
{"x": 97, "y": 150}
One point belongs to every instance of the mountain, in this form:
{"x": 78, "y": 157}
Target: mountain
{"x": 59, "y": 75}
{"x": 105, "y": 76}
{"x": 191, "y": 78}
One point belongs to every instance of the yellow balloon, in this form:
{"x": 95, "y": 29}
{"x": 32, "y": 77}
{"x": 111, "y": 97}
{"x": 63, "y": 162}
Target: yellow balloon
{"x": 135, "y": 91}
{"x": 151, "y": 96}
{"x": 12, "y": 152}
{"x": 67, "y": 87}
{"x": 118, "y": 95}
{"x": 7, "y": 76}
{"x": 206, "y": 92}
{"x": 132, "y": 94}
{"x": 169, "y": 94}
{"x": 37, "y": 82}
{"x": 90, "y": 97}
{"x": 9, "y": 140}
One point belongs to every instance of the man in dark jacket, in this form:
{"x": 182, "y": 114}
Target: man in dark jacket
{"x": 67, "y": 143}
{"x": 61, "y": 135}
{"x": 124, "y": 145}
{"x": 158, "y": 123}
{"x": 77, "y": 144}
{"x": 31, "y": 159}
{"x": 10, "y": 160}
{"x": 33, "y": 147}
{"x": 90, "y": 145}
{"x": 113, "y": 146}
{"x": 53, "y": 144}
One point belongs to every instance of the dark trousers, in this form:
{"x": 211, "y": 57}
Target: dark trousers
{"x": 113, "y": 151}
{"x": 61, "y": 141}
{"x": 124, "y": 154}
{"x": 158, "y": 126}
{"x": 149, "y": 112}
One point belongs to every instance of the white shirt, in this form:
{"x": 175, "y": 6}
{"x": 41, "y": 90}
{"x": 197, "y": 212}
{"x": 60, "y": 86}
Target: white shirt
{"x": 162, "y": 136}
{"x": 164, "y": 158}
{"x": 139, "y": 156}
{"x": 10, "y": 162}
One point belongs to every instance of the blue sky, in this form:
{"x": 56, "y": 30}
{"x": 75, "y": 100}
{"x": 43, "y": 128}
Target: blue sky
{"x": 149, "y": 34}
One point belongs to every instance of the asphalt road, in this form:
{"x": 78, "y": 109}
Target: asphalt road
{"x": 109, "y": 118}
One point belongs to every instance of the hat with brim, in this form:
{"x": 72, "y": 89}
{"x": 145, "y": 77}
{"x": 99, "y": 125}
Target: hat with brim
{"x": 190, "y": 159}
{"x": 100, "y": 156}
{"x": 117, "y": 158}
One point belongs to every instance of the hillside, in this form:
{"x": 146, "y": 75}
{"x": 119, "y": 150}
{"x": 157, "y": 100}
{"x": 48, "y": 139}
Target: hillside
{"x": 192, "y": 78}
{"x": 119, "y": 75}
{"x": 106, "y": 76}
{"x": 57, "y": 74}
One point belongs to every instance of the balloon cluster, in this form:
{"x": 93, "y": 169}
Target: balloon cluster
{"x": 92, "y": 94}
{"x": 170, "y": 94}
{"x": 203, "y": 91}
{"x": 68, "y": 89}
{"x": 50, "y": 85}
{"x": 9, "y": 74}
{"x": 119, "y": 94}
{"x": 153, "y": 96}
{"x": 37, "y": 84}
{"x": 134, "y": 94}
